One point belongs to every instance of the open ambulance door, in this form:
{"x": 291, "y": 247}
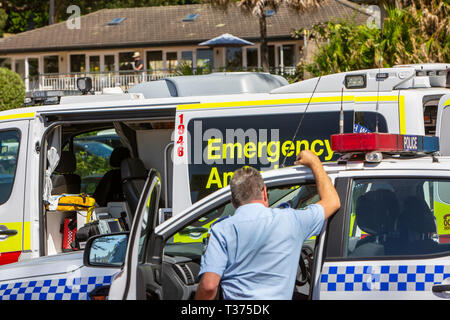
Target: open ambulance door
{"x": 442, "y": 128}
{"x": 14, "y": 230}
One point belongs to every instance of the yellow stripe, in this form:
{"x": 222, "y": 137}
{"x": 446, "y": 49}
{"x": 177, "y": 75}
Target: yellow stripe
{"x": 447, "y": 103}
{"x": 256, "y": 103}
{"x": 18, "y": 116}
{"x": 12, "y": 243}
{"x": 375, "y": 98}
{"x": 401, "y": 114}
{"x": 27, "y": 235}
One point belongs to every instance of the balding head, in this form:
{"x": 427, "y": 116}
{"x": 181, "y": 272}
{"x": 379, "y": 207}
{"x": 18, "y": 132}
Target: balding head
{"x": 246, "y": 186}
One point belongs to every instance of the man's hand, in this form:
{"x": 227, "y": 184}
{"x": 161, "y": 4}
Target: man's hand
{"x": 307, "y": 158}
{"x": 329, "y": 198}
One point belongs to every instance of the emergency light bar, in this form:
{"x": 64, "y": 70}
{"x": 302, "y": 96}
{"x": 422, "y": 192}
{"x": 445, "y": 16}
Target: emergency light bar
{"x": 383, "y": 142}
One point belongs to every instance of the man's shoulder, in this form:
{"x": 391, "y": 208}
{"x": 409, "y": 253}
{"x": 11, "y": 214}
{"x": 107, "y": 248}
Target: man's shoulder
{"x": 221, "y": 219}
{"x": 287, "y": 210}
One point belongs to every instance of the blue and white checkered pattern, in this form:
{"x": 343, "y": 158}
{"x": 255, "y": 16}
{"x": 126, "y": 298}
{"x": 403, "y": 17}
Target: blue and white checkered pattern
{"x": 53, "y": 289}
{"x": 382, "y": 278}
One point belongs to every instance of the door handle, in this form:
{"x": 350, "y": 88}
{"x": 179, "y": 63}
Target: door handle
{"x": 7, "y": 232}
{"x": 441, "y": 288}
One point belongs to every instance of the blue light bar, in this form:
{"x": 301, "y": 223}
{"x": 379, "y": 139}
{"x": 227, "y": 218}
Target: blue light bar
{"x": 424, "y": 144}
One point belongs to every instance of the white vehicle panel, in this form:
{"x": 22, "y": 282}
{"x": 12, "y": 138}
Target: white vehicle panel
{"x": 60, "y": 277}
{"x": 385, "y": 280}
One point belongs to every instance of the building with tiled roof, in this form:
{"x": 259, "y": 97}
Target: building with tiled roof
{"x": 105, "y": 41}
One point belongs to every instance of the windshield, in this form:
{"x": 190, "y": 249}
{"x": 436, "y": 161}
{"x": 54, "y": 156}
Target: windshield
{"x": 191, "y": 240}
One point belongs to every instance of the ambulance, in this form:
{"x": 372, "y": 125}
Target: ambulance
{"x": 193, "y": 135}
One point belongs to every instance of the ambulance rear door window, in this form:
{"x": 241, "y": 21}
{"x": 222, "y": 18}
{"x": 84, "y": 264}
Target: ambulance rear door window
{"x": 219, "y": 146}
{"x": 9, "y": 151}
{"x": 367, "y": 121}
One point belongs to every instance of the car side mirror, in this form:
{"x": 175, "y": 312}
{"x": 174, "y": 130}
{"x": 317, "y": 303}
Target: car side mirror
{"x": 106, "y": 250}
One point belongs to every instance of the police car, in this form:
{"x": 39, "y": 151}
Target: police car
{"x": 389, "y": 240}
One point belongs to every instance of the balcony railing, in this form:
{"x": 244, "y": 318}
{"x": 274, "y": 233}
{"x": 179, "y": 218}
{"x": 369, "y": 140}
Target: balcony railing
{"x": 123, "y": 79}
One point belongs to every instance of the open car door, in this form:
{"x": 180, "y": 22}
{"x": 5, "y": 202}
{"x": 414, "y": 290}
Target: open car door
{"x": 136, "y": 278}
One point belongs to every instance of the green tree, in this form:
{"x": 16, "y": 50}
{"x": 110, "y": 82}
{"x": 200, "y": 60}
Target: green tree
{"x": 12, "y": 90}
{"x": 3, "y": 19}
{"x": 258, "y": 9}
{"x": 415, "y": 34}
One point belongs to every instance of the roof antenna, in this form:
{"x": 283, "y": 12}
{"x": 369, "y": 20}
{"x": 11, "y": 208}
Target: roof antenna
{"x": 341, "y": 114}
{"x": 378, "y": 98}
{"x": 301, "y": 120}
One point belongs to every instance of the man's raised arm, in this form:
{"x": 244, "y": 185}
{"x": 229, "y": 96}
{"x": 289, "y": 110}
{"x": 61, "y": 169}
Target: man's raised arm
{"x": 329, "y": 198}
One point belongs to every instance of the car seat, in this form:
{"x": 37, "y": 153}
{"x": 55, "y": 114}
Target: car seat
{"x": 134, "y": 175}
{"x": 65, "y": 180}
{"x": 109, "y": 189}
{"x": 416, "y": 224}
{"x": 376, "y": 214}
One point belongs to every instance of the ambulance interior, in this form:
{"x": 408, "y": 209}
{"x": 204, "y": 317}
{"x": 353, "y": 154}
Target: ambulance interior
{"x": 108, "y": 162}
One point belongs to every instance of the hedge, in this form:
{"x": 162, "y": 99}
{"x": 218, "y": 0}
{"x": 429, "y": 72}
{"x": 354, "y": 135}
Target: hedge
{"x": 12, "y": 90}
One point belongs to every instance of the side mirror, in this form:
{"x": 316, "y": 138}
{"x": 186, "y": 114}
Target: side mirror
{"x": 106, "y": 250}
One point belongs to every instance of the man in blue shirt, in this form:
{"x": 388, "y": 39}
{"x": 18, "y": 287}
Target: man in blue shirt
{"x": 255, "y": 253}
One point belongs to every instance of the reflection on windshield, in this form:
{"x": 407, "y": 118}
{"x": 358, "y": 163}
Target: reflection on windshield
{"x": 189, "y": 241}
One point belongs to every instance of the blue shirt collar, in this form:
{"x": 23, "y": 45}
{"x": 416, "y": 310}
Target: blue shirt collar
{"x": 250, "y": 207}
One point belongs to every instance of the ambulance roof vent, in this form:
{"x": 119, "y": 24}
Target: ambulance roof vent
{"x": 427, "y": 75}
{"x": 373, "y": 80}
{"x": 101, "y": 98}
{"x": 210, "y": 84}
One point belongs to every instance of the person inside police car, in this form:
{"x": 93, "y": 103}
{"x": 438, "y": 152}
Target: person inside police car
{"x": 254, "y": 254}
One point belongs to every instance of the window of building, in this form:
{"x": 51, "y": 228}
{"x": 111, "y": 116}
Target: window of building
{"x": 77, "y": 63}
{"x": 187, "y": 58}
{"x": 9, "y": 151}
{"x": 5, "y": 63}
{"x": 109, "y": 63}
{"x": 205, "y": 58}
{"x": 234, "y": 58}
{"x": 171, "y": 60}
{"x": 252, "y": 57}
{"x": 94, "y": 63}
{"x": 155, "y": 60}
{"x": 398, "y": 217}
{"x": 271, "y": 56}
{"x": 20, "y": 67}
{"x": 126, "y": 61}
{"x": 33, "y": 67}
{"x": 288, "y": 55}
{"x": 51, "y": 64}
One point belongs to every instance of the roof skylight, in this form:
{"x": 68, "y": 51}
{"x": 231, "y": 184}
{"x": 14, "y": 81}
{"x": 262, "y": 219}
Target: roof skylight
{"x": 116, "y": 21}
{"x": 191, "y": 17}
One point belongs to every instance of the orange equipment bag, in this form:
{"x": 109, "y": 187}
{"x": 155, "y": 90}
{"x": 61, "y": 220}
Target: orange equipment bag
{"x": 80, "y": 202}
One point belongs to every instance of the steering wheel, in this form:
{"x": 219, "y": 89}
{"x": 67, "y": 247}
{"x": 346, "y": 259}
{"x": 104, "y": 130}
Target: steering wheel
{"x": 305, "y": 264}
